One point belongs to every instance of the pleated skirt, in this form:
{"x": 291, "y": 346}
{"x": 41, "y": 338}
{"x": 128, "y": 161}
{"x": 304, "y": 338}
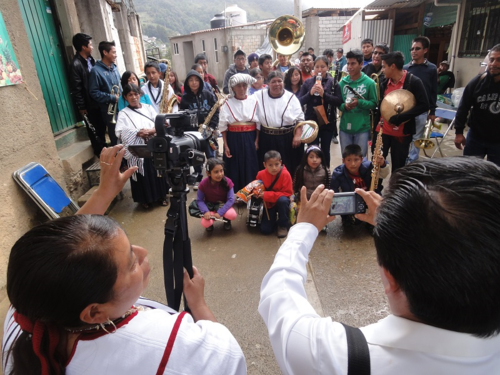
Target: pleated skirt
{"x": 243, "y": 166}
{"x": 148, "y": 188}
{"x": 283, "y": 144}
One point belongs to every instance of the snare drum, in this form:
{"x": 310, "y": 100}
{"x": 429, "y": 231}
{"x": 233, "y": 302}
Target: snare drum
{"x": 255, "y": 207}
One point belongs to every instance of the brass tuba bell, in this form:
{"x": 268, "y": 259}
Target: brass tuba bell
{"x": 286, "y": 35}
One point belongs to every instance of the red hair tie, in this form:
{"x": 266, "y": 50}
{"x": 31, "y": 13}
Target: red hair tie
{"x": 37, "y": 330}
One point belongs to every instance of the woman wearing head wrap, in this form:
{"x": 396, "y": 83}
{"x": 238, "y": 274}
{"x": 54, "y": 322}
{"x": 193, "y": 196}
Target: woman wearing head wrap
{"x": 239, "y": 125}
{"x": 279, "y": 111}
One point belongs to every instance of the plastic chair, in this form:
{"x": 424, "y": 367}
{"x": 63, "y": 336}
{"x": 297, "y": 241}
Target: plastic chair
{"x": 44, "y": 190}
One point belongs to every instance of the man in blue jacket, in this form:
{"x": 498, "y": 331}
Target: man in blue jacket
{"x": 102, "y": 78}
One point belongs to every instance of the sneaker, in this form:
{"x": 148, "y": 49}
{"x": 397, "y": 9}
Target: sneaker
{"x": 195, "y": 186}
{"x": 282, "y": 232}
{"x": 335, "y": 140}
{"x": 227, "y": 225}
{"x": 210, "y": 228}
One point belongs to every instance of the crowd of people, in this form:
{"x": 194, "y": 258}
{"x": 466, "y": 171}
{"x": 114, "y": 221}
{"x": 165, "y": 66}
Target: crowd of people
{"x": 75, "y": 283}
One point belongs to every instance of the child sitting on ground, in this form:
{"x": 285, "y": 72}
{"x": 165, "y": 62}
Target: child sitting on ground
{"x": 278, "y": 189}
{"x": 312, "y": 172}
{"x": 354, "y": 172}
{"x": 215, "y": 197}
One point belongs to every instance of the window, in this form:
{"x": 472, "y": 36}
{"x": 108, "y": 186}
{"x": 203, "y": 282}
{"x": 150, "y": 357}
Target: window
{"x": 203, "y": 45}
{"x": 216, "y": 51}
{"x": 176, "y": 49}
{"x": 481, "y": 29}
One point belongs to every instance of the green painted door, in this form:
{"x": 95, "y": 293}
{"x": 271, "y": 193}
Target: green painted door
{"x": 50, "y": 66}
{"x": 402, "y": 43}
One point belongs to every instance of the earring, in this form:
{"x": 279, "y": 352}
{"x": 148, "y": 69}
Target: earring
{"x": 103, "y": 326}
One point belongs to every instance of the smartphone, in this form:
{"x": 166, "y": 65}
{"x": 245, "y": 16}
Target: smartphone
{"x": 347, "y": 204}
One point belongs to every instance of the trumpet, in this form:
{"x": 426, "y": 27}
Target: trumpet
{"x": 115, "y": 90}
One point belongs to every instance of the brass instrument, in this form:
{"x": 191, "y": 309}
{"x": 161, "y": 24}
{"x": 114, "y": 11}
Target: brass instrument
{"x": 310, "y": 131}
{"x": 377, "y": 151}
{"x": 286, "y": 35}
{"x": 374, "y": 76}
{"x": 425, "y": 143}
{"x": 115, "y": 90}
{"x": 396, "y": 103}
{"x": 204, "y": 129}
{"x": 166, "y": 104}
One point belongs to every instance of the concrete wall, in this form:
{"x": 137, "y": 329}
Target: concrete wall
{"x": 329, "y": 35}
{"x": 312, "y": 34}
{"x": 27, "y": 137}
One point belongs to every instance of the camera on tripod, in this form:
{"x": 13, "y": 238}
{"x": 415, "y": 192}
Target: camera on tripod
{"x": 172, "y": 149}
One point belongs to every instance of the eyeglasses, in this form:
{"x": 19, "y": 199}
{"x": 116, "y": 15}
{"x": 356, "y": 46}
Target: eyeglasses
{"x": 415, "y": 48}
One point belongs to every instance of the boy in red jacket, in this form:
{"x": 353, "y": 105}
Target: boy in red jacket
{"x": 276, "y": 197}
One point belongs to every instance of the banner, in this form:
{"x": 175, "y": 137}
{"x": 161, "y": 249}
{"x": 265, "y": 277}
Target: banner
{"x": 346, "y": 35}
{"x": 9, "y": 68}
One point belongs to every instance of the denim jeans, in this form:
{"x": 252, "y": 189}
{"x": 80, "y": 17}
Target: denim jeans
{"x": 360, "y": 139}
{"x": 282, "y": 206}
{"x": 420, "y": 122}
{"x": 475, "y": 147}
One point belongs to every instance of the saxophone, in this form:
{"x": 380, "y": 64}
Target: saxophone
{"x": 376, "y": 167}
{"x": 204, "y": 129}
{"x": 166, "y": 105}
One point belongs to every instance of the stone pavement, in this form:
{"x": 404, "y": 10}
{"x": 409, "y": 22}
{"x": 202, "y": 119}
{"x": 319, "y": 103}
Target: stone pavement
{"x": 343, "y": 281}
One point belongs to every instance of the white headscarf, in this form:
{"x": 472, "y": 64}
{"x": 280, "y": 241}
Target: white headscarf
{"x": 240, "y": 78}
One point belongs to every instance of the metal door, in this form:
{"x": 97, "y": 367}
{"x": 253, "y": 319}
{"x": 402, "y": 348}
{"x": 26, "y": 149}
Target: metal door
{"x": 50, "y": 66}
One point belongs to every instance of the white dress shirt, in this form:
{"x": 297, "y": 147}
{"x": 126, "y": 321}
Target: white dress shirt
{"x": 305, "y": 343}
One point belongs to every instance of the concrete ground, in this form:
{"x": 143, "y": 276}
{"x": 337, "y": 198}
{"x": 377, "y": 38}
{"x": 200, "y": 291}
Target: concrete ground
{"x": 343, "y": 280}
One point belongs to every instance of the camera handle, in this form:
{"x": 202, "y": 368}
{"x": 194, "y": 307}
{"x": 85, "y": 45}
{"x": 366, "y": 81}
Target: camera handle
{"x": 177, "y": 245}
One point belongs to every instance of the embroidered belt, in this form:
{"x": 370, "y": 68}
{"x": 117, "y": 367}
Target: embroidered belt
{"x": 242, "y": 127}
{"x": 276, "y": 131}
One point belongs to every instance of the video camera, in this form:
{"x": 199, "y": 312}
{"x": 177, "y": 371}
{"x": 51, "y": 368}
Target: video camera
{"x": 172, "y": 149}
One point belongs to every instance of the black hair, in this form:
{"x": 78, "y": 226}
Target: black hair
{"x": 328, "y": 52}
{"x": 288, "y": 78}
{"x": 367, "y": 41}
{"x": 211, "y": 164}
{"x": 197, "y": 66}
{"x": 437, "y": 235}
{"x": 275, "y": 74}
{"x": 396, "y": 58}
{"x": 322, "y": 58}
{"x": 152, "y": 64}
{"x": 125, "y": 77}
{"x": 305, "y": 54}
{"x": 131, "y": 87}
{"x": 272, "y": 154}
{"x": 81, "y": 40}
{"x": 352, "y": 149}
{"x": 105, "y": 46}
{"x": 355, "y": 54}
{"x": 177, "y": 87}
{"x": 200, "y": 56}
{"x": 383, "y": 47}
{"x": 263, "y": 58}
{"x": 55, "y": 271}
{"x": 426, "y": 43}
{"x": 239, "y": 53}
{"x": 310, "y": 48}
{"x": 298, "y": 180}
{"x": 254, "y": 72}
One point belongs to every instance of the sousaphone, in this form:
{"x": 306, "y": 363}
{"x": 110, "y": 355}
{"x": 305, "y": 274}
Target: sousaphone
{"x": 286, "y": 35}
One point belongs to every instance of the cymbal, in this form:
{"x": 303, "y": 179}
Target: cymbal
{"x": 396, "y": 102}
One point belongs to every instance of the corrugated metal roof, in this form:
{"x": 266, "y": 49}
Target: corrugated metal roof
{"x": 222, "y": 28}
{"x": 385, "y": 4}
{"x": 377, "y": 30}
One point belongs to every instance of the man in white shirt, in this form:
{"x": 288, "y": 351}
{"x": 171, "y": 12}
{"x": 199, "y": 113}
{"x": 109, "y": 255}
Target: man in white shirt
{"x": 436, "y": 236}
{"x": 154, "y": 86}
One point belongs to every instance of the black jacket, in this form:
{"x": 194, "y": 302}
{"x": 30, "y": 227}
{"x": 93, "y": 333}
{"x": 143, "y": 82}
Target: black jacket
{"x": 482, "y": 98}
{"x": 331, "y": 99}
{"x": 202, "y": 101}
{"x": 79, "y": 85}
{"x": 416, "y": 87}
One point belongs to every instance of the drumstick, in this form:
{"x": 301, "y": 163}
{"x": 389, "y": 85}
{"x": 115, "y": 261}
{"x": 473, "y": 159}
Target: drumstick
{"x": 267, "y": 212}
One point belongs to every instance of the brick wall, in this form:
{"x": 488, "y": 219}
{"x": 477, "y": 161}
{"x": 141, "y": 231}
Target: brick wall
{"x": 329, "y": 35}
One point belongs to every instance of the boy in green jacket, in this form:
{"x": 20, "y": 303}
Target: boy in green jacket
{"x": 355, "y": 120}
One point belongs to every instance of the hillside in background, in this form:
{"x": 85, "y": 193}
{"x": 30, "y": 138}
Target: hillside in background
{"x": 164, "y": 18}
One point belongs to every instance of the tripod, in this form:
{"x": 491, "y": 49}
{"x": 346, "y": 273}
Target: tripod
{"x": 177, "y": 245}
